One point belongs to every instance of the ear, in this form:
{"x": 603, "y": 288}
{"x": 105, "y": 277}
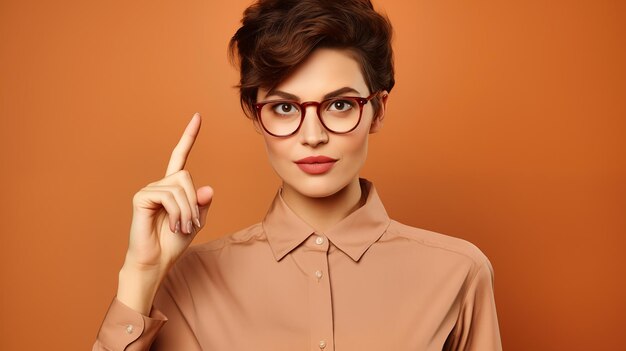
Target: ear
{"x": 377, "y": 121}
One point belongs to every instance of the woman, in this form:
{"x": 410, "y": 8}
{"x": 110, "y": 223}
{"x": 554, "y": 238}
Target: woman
{"x": 327, "y": 268}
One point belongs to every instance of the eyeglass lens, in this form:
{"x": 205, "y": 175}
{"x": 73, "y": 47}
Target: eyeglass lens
{"x": 283, "y": 117}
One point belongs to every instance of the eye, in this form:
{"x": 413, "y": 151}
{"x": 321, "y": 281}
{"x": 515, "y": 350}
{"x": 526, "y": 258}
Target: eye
{"x": 341, "y": 105}
{"x": 285, "y": 108}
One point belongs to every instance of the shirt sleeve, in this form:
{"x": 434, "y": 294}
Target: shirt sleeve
{"x": 126, "y": 329}
{"x": 167, "y": 328}
{"x": 477, "y": 325}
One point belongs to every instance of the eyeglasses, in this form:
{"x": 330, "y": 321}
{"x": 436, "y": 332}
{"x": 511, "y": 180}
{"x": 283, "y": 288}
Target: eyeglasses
{"x": 339, "y": 115}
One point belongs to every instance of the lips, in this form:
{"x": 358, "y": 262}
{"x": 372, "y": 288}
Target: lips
{"x": 316, "y": 164}
{"x": 316, "y": 159}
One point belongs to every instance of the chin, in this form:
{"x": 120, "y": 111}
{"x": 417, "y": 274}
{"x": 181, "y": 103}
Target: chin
{"x": 317, "y": 186}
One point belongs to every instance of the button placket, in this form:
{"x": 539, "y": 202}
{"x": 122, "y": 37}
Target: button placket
{"x": 320, "y": 294}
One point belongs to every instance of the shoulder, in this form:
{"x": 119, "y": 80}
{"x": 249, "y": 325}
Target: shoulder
{"x": 438, "y": 244}
{"x": 213, "y": 248}
{"x": 250, "y": 233}
{"x": 202, "y": 262}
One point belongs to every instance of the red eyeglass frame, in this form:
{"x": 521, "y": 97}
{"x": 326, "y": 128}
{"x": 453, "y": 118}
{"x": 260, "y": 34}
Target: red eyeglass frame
{"x": 360, "y": 100}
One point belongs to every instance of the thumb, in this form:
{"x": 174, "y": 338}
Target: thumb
{"x": 205, "y": 197}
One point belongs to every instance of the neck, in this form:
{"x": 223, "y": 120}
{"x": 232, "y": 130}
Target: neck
{"x": 322, "y": 213}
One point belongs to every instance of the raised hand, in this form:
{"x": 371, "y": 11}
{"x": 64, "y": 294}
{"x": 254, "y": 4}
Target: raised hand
{"x": 167, "y": 215}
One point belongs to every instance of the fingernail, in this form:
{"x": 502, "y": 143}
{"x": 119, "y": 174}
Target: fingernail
{"x": 177, "y": 227}
{"x": 189, "y": 227}
{"x": 197, "y": 219}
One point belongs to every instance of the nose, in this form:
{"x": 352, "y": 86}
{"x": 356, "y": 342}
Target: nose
{"x": 312, "y": 132}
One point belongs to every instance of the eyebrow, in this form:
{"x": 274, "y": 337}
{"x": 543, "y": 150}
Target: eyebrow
{"x": 289, "y": 96}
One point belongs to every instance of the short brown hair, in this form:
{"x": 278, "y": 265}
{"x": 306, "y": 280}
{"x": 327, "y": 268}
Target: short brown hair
{"x": 277, "y": 35}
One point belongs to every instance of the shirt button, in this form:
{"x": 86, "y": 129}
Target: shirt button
{"x": 319, "y": 240}
{"x": 129, "y": 329}
{"x": 322, "y": 344}
{"x": 319, "y": 274}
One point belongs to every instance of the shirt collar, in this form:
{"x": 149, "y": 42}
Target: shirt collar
{"x": 353, "y": 235}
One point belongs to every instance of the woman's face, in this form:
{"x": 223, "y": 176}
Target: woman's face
{"x": 324, "y": 71}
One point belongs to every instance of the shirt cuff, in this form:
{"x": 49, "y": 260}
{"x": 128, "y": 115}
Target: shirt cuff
{"x": 123, "y": 326}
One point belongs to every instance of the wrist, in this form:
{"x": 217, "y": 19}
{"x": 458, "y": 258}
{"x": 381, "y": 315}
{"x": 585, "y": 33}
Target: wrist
{"x": 137, "y": 287}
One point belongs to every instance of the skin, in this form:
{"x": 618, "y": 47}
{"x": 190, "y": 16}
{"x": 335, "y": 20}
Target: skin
{"x": 322, "y": 200}
{"x": 168, "y": 213}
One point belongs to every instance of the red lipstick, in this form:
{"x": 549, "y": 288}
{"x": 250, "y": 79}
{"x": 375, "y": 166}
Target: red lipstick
{"x": 316, "y": 164}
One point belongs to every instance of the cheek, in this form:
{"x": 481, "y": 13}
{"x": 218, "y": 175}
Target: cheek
{"x": 277, "y": 150}
{"x": 357, "y": 148}
{"x": 355, "y": 145}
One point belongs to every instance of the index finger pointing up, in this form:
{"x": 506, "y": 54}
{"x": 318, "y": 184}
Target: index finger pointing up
{"x": 182, "y": 149}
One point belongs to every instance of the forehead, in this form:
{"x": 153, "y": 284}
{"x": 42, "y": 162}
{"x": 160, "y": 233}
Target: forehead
{"x": 323, "y": 71}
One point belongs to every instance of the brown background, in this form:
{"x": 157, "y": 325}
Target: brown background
{"x": 506, "y": 128}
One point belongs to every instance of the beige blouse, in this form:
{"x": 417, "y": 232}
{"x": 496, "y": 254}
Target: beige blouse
{"x": 369, "y": 283}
